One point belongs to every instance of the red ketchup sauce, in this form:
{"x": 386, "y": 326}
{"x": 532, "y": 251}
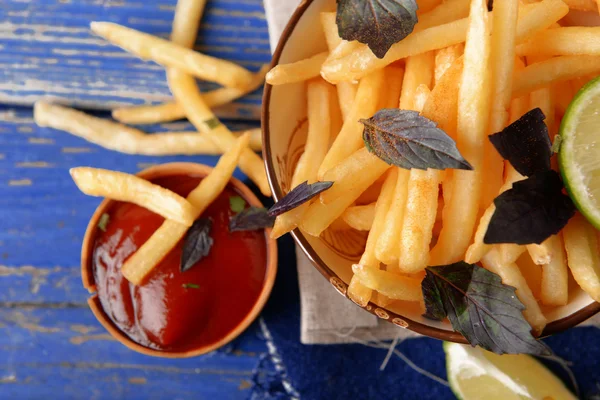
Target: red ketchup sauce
{"x": 162, "y": 313}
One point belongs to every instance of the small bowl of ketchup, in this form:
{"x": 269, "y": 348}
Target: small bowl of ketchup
{"x": 177, "y": 314}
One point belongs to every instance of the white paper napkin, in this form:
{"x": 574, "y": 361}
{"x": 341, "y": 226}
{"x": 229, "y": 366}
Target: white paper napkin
{"x": 326, "y": 316}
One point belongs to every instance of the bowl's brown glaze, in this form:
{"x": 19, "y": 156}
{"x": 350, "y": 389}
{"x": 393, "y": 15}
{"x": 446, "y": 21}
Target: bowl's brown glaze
{"x": 400, "y": 320}
{"x": 164, "y": 170}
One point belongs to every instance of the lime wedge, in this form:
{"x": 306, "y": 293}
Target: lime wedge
{"x": 478, "y": 374}
{"x": 579, "y": 154}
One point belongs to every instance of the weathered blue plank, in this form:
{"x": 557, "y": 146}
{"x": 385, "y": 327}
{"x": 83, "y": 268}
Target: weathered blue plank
{"x": 46, "y": 49}
{"x": 65, "y": 352}
{"x": 43, "y": 216}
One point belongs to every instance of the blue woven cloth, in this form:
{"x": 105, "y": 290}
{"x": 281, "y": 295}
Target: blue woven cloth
{"x": 352, "y": 371}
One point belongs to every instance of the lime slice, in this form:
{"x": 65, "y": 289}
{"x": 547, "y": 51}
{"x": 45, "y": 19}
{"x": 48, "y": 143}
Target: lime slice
{"x": 579, "y": 154}
{"x": 478, "y": 374}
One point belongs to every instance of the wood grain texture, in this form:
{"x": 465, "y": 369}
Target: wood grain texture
{"x": 46, "y": 49}
{"x": 65, "y": 352}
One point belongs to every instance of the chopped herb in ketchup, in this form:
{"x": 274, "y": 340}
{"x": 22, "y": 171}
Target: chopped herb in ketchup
{"x": 172, "y": 310}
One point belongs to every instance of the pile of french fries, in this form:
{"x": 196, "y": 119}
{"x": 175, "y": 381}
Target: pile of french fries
{"x": 473, "y": 72}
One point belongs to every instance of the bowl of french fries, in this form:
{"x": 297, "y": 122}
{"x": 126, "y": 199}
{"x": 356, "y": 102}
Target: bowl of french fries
{"x": 391, "y": 230}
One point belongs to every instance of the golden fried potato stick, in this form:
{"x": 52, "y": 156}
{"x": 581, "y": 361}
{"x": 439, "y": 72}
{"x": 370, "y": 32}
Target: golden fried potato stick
{"x": 170, "y": 54}
{"x": 350, "y": 138}
{"x": 184, "y": 89}
{"x": 164, "y": 239}
{"x": 460, "y": 214}
{"x": 357, "y": 291}
{"x": 124, "y": 139}
{"x": 346, "y": 90}
{"x": 502, "y": 57}
{"x": 512, "y": 276}
{"x": 581, "y": 243}
{"x": 132, "y": 189}
{"x": 172, "y": 111}
{"x": 360, "y": 217}
{"x": 298, "y": 71}
{"x": 317, "y": 142}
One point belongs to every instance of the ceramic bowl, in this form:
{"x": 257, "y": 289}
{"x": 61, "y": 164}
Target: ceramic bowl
{"x": 284, "y": 129}
{"x": 87, "y": 274}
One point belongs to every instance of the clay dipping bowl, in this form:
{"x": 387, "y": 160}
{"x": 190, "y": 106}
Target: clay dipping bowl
{"x": 284, "y": 125}
{"x": 161, "y": 171}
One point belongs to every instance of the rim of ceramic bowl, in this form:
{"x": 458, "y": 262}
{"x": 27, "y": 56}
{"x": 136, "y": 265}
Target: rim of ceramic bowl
{"x": 552, "y": 328}
{"x": 89, "y": 283}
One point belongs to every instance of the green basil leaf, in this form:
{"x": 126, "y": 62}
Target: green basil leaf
{"x": 377, "y": 23}
{"x": 479, "y": 306}
{"x": 408, "y": 140}
{"x": 197, "y": 243}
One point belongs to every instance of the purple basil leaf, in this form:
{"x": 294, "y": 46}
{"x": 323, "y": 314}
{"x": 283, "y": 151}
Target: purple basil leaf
{"x": 251, "y": 219}
{"x": 408, "y": 140}
{"x": 479, "y": 306}
{"x": 298, "y": 196}
{"x": 525, "y": 143}
{"x": 377, "y": 23}
{"x": 532, "y": 211}
{"x": 197, "y": 243}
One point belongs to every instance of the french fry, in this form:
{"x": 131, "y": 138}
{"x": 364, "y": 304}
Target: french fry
{"x": 555, "y": 69}
{"x": 298, "y": 71}
{"x": 555, "y": 277}
{"x": 393, "y": 79}
{"x": 320, "y": 215}
{"x": 350, "y": 137}
{"x": 508, "y": 252}
{"x": 360, "y": 170}
{"x": 419, "y": 71}
{"x": 443, "y": 100}
{"x": 581, "y": 244}
{"x": 421, "y": 96}
{"x": 502, "y": 57}
{"x": 360, "y": 217}
{"x": 184, "y": 87}
{"x": 185, "y": 90}
{"x": 356, "y": 290}
{"x": 388, "y": 244}
{"x": 346, "y": 90}
{"x": 164, "y": 239}
{"x": 567, "y": 41}
{"x": 169, "y": 54}
{"x": 121, "y": 138}
{"x": 444, "y": 58}
{"x": 419, "y": 219}
{"x": 532, "y": 274}
{"x": 393, "y": 286}
{"x": 186, "y": 21}
{"x": 316, "y": 146}
{"x": 562, "y": 94}
{"x": 362, "y": 61}
{"x": 511, "y": 275}
{"x": 132, "y": 189}
{"x": 446, "y": 12}
{"x": 459, "y": 216}
{"x": 172, "y": 111}
{"x": 382, "y": 300}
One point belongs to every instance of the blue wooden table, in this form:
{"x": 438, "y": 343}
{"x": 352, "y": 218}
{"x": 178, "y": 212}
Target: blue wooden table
{"x": 50, "y": 343}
